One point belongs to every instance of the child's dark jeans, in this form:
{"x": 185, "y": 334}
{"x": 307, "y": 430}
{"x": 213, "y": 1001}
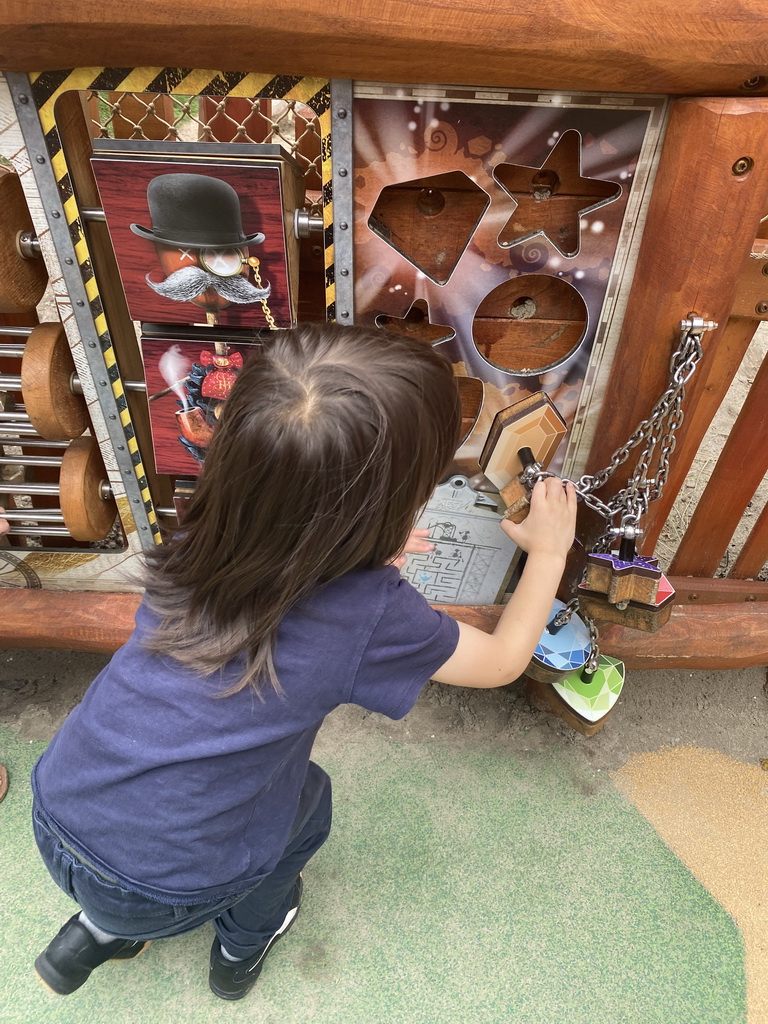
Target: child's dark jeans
{"x": 243, "y": 923}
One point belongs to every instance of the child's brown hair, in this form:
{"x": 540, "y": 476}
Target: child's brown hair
{"x": 330, "y": 442}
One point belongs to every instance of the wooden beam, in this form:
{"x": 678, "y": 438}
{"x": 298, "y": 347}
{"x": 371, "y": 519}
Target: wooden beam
{"x": 742, "y": 465}
{"x": 702, "y": 221}
{"x": 722, "y": 636}
{"x": 691, "y": 47}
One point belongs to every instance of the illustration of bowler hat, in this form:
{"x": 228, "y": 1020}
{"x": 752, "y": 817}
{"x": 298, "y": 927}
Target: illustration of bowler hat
{"x": 195, "y": 211}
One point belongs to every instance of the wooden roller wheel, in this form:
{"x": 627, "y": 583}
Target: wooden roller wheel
{"x": 22, "y": 282}
{"x": 87, "y": 516}
{"x": 46, "y": 370}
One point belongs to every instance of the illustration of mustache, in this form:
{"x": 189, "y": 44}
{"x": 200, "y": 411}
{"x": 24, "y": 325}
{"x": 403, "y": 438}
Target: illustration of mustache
{"x": 189, "y": 282}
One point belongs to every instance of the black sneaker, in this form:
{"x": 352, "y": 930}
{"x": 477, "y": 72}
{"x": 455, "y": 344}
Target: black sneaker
{"x": 68, "y": 960}
{"x": 232, "y": 979}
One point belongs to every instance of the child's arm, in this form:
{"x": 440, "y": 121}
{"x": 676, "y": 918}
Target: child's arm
{"x": 485, "y": 660}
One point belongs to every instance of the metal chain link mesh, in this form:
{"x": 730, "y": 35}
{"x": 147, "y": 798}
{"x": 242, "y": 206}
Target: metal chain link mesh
{"x": 164, "y": 117}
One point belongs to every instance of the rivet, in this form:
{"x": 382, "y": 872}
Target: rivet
{"x": 40, "y": 159}
{"x": 24, "y": 99}
{"x": 137, "y": 501}
{"x": 69, "y": 261}
{"x": 112, "y": 416}
{"x": 342, "y": 172}
{"x": 144, "y": 528}
{"x": 341, "y": 113}
{"x": 344, "y": 313}
{"x": 55, "y": 214}
{"x": 103, "y": 383}
{"x": 121, "y": 447}
{"x": 344, "y": 273}
{"x": 761, "y": 308}
{"x": 91, "y": 344}
{"x": 79, "y": 302}
{"x": 343, "y": 225}
{"x": 743, "y": 166}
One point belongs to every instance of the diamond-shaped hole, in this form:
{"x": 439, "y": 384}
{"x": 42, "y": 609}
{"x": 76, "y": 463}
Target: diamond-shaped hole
{"x": 552, "y": 198}
{"x": 530, "y": 323}
{"x": 430, "y": 221}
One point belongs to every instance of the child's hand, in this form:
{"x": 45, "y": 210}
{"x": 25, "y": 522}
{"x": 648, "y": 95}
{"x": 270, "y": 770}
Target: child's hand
{"x": 415, "y": 545}
{"x": 551, "y": 523}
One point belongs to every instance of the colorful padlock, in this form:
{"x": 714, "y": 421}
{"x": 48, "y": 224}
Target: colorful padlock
{"x": 564, "y": 646}
{"x": 591, "y": 695}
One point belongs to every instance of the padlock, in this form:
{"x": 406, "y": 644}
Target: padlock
{"x": 591, "y": 695}
{"x": 635, "y": 615}
{"x": 623, "y": 579}
{"x": 564, "y": 646}
{"x": 526, "y": 434}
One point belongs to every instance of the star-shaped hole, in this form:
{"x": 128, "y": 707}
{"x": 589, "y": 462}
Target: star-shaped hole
{"x": 416, "y": 324}
{"x": 551, "y": 199}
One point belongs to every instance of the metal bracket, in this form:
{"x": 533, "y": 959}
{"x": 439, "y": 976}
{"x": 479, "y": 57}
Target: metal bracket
{"x": 343, "y": 206}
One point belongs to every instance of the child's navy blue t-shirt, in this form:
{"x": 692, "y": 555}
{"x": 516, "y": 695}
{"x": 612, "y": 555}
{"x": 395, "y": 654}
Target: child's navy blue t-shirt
{"x": 182, "y": 795}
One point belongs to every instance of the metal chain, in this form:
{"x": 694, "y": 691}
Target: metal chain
{"x": 657, "y": 431}
{"x": 593, "y": 661}
{"x": 254, "y": 263}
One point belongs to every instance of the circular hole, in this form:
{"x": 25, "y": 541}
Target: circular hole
{"x": 430, "y": 202}
{"x": 754, "y": 83}
{"x": 529, "y": 324}
{"x": 545, "y": 181}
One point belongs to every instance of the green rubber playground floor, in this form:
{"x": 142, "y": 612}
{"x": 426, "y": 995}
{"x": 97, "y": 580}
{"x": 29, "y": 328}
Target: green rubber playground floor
{"x": 459, "y": 886}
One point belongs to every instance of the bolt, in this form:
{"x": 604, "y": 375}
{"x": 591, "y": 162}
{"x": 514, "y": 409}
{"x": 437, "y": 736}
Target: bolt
{"x": 743, "y": 166}
{"x": 344, "y": 314}
{"x": 40, "y": 159}
{"x": 343, "y": 225}
{"x": 112, "y": 416}
{"x": 79, "y": 302}
{"x": 693, "y": 597}
{"x": 91, "y": 344}
{"x": 345, "y": 272}
{"x": 341, "y": 113}
{"x": 24, "y": 99}
{"x": 103, "y": 383}
{"x": 69, "y": 261}
{"x": 756, "y": 82}
{"x": 761, "y": 308}
{"x": 750, "y": 597}
{"x": 342, "y": 172}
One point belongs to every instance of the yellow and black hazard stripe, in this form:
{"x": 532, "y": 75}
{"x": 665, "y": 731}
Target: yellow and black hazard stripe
{"x": 49, "y": 85}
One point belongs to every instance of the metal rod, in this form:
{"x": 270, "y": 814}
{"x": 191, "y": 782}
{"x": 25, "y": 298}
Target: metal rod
{"x": 39, "y": 531}
{"x": 16, "y": 430}
{"x": 167, "y": 512}
{"x": 29, "y": 460}
{"x": 33, "y": 515}
{"x": 16, "y": 332}
{"x": 37, "y": 443}
{"x": 92, "y": 213}
{"x": 14, "y": 416}
{"x": 10, "y": 382}
{"x": 28, "y": 487}
{"x": 12, "y": 351}
{"x": 76, "y": 387}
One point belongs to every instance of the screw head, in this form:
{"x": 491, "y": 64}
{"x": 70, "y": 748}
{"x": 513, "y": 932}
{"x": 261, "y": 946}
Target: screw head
{"x": 24, "y": 99}
{"x": 761, "y": 308}
{"x": 765, "y": 269}
{"x": 342, "y": 172}
{"x": 743, "y": 166}
{"x": 341, "y": 113}
{"x": 343, "y": 226}
{"x": 754, "y": 83}
{"x": 40, "y": 159}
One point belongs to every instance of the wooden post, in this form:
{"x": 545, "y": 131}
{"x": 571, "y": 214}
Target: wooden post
{"x": 702, "y": 219}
